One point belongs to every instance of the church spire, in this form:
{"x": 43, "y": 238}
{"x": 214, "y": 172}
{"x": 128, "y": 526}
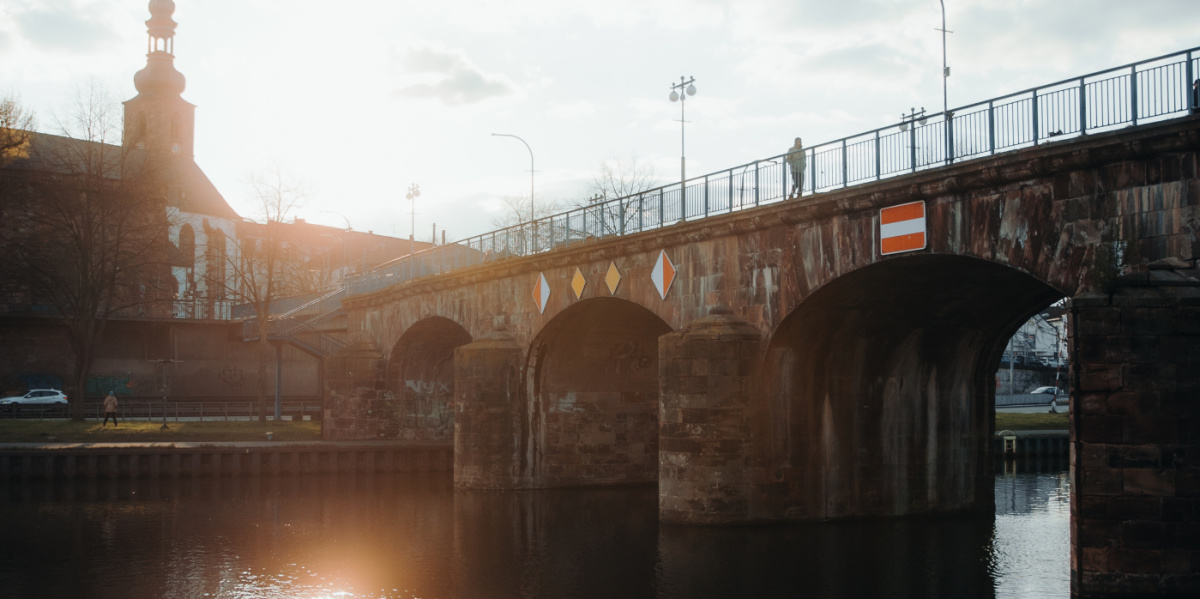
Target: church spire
{"x": 158, "y": 117}
{"x": 160, "y": 75}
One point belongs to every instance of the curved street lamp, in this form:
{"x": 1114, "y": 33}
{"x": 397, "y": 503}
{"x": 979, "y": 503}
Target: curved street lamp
{"x": 531, "y": 212}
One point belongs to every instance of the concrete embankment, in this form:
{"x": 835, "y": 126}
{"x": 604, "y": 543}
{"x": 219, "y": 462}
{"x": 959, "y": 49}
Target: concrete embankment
{"x": 1048, "y": 443}
{"x": 150, "y": 460}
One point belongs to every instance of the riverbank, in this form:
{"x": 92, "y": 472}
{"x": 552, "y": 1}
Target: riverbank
{"x": 141, "y": 431}
{"x": 195, "y": 459}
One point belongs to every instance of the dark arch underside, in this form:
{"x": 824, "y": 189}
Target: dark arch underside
{"x": 878, "y": 388}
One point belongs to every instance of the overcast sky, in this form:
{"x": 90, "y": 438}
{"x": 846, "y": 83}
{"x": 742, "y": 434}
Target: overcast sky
{"x": 362, "y": 99}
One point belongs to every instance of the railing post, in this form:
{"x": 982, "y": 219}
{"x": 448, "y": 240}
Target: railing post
{"x": 912, "y": 145}
{"x": 641, "y": 212}
{"x": 622, "y": 203}
{"x": 552, "y": 232}
{"x": 660, "y": 206}
{"x": 705, "y": 196}
{"x": 845, "y": 166}
{"x": 1035, "y": 117}
{"x": 1082, "y": 107}
{"x": 812, "y": 172}
{"x": 991, "y": 127}
{"x": 730, "y": 196}
{"x": 1133, "y": 108}
{"x": 683, "y": 200}
{"x": 949, "y": 137}
{"x": 756, "y": 198}
{"x": 878, "y": 170}
{"x": 1188, "y": 91}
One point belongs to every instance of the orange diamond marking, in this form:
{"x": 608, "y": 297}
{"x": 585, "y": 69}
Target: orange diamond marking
{"x": 578, "y": 283}
{"x": 613, "y": 278}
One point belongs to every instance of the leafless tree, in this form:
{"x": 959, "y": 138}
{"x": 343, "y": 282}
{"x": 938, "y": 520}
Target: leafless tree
{"x": 16, "y": 129}
{"x": 617, "y": 190}
{"x": 86, "y": 229}
{"x": 264, "y": 267}
{"x": 515, "y": 211}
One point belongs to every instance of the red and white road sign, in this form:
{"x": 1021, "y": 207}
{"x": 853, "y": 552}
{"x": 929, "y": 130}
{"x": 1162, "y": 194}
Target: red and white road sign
{"x": 902, "y": 228}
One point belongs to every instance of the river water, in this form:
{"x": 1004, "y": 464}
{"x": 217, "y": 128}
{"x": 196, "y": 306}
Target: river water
{"x": 404, "y": 536}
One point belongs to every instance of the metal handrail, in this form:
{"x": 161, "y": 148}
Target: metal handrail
{"x": 1134, "y": 94}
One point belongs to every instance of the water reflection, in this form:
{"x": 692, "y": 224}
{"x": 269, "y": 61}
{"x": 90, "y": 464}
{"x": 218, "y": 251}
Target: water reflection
{"x": 382, "y": 536}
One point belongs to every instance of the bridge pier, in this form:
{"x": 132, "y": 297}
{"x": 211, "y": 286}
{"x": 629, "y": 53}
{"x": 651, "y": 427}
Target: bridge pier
{"x": 488, "y": 422}
{"x": 1135, "y": 432}
{"x": 707, "y": 372}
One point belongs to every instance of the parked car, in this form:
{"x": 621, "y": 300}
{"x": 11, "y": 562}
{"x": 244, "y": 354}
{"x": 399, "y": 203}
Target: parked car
{"x": 36, "y": 398}
{"x": 1048, "y": 391}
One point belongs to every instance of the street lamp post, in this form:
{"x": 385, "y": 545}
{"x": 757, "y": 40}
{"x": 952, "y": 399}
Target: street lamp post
{"x": 414, "y": 192}
{"x": 345, "y": 260}
{"x": 531, "y": 212}
{"x": 532, "y": 217}
{"x": 679, "y": 93}
{"x": 945, "y": 76}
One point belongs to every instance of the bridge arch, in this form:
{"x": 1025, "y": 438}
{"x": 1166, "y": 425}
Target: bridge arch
{"x": 420, "y": 373}
{"x": 591, "y": 387}
{"x": 878, "y": 387}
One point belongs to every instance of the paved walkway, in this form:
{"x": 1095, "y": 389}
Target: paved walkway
{"x": 234, "y": 444}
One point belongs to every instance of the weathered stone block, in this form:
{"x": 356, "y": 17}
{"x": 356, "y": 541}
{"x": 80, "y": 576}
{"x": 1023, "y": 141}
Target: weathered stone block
{"x": 1133, "y": 403}
{"x": 1149, "y": 481}
{"x": 1138, "y": 561}
{"x": 1134, "y": 508}
{"x": 1100, "y": 429}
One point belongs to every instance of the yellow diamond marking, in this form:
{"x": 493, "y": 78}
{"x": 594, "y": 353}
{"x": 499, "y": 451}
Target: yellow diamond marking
{"x": 578, "y": 283}
{"x": 613, "y": 278}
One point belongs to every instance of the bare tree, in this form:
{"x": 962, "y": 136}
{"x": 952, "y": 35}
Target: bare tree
{"x": 618, "y": 202}
{"x": 85, "y": 229}
{"x": 263, "y": 266}
{"x": 617, "y": 190}
{"x": 515, "y": 212}
{"x": 16, "y": 130}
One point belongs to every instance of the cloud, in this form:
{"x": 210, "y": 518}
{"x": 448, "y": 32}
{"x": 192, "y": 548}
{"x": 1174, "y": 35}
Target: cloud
{"x": 573, "y": 110}
{"x": 72, "y": 30}
{"x": 451, "y": 78}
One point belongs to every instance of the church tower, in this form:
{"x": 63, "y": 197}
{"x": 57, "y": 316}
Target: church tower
{"x": 158, "y": 118}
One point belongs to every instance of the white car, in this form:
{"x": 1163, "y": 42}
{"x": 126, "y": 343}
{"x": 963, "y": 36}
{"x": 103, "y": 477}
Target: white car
{"x": 36, "y": 398}
{"x": 1047, "y": 391}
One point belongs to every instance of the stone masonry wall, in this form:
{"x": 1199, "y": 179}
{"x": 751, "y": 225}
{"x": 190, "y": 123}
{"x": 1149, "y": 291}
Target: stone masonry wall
{"x": 1135, "y": 431}
{"x": 359, "y": 406}
{"x": 707, "y": 372}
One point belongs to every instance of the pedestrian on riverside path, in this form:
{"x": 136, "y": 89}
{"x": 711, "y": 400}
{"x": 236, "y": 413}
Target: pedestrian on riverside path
{"x": 796, "y": 160}
{"x": 110, "y": 410}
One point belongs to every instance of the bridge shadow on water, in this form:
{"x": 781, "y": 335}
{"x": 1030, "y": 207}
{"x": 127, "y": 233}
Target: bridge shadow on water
{"x": 415, "y": 536}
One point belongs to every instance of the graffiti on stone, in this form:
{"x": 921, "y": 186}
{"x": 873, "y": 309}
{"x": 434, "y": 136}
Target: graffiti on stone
{"x": 41, "y": 381}
{"x": 232, "y": 377}
{"x": 428, "y": 388}
{"x": 100, "y": 385}
{"x": 428, "y": 407}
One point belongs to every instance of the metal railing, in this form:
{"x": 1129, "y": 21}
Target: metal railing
{"x": 1135, "y": 94}
{"x": 200, "y": 308}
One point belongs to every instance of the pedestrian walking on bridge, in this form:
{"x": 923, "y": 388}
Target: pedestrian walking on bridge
{"x": 796, "y": 160}
{"x": 110, "y": 410}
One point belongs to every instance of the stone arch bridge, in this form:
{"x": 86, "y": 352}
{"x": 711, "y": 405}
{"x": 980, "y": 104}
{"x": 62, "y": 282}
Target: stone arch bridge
{"x": 773, "y": 364}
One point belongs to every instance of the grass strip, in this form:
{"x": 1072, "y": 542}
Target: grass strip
{"x": 66, "y": 431}
{"x": 1040, "y": 421}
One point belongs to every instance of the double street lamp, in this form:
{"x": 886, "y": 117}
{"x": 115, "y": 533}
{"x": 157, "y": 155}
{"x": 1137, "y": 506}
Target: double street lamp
{"x": 679, "y": 93}
{"x": 414, "y": 192}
